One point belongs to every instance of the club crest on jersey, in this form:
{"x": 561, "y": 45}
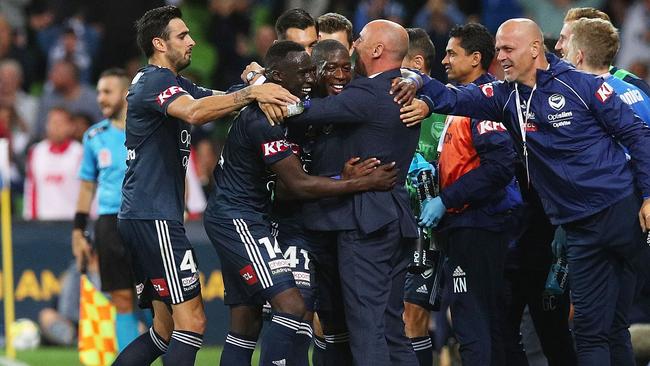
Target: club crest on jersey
{"x": 490, "y": 126}
{"x": 160, "y": 285}
{"x": 274, "y": 147}
{"x": 168, "y": 93}
{"x": 248, "y": 274}
{"x": 488, "y": 90}
{"x": 604, "y": 92}
{"x": 556, "y": 101}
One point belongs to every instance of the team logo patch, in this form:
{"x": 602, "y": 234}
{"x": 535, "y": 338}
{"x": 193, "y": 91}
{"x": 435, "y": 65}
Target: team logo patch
{"x": 248, "y": 274}
{"x": 160, "y": 285}
{"x": 168, "y": 93}
{"x": 604, "y": 92}
{"x": 488, "y": 90}
{"x": 104, "y": 158}
{"x": 139, "y": 288}
{"x": 274, "y": 147}
{"x": 556, "y": 101}
{"x": 490, "y": 126}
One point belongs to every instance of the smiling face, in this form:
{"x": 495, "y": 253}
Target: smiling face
{"x": 561, "y": 45}
{"x": 514, "y": 55}
{"x": 297, "y": 74}
{"x": 335, "y": 72}
{"x": 179, "y": 45}
{"x": 458, "y": 64}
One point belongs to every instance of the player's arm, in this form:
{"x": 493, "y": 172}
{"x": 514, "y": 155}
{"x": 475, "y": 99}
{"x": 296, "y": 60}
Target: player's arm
{"x": 80, "y": 247}
{"x": 305, "y": 186}
{"x": 202, "y": 110}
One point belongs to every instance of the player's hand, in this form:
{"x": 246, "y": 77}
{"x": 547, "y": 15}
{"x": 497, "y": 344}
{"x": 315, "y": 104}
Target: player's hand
{"x": 274, "y": 113}
{"x": 382, "y": 178}
{"x": 414, "y": 113}
{"x": 81, "y": 249}
{"x": 432, "y": 211}
{"x": 353, "y": 168}
{"x": 644, "y": 215}
{"x": 254, "y": 67}
{"x": 273, "y": 93}
{"x": 558, "y": 246}
{"x": 404, "y": 90}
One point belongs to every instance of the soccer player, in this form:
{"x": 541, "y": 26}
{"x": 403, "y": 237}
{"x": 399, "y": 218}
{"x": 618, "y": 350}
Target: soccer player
{"x": 565, "y": 35}
{"x": 102, "y": 172}
{"x": 568, "y": 128}
{"x": 592, "y": 48}
{"x": 162, "y": 107}
{"x": 337, "y": 27}
{"x": 238, "y": 225}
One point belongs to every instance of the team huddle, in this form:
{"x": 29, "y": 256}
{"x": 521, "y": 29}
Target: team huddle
{"x": 313, "y": 220}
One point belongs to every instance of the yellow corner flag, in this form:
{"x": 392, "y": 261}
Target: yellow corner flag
{"x": 97, "y": 339}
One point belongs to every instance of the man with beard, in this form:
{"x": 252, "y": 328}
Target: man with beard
{"x": 102, "y": 172}
{"x": 372, "y": 228}
{"x": 237, "y": 217}
{"x": 162, "y": 108}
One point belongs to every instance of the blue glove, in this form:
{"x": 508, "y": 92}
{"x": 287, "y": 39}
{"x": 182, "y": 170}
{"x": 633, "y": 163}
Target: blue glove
{"x": 431, "y": 212}
{"x": 558, "y": 246}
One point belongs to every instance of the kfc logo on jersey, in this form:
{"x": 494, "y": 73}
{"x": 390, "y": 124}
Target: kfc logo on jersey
{"x": 168, "y": 93}
{"x": 488, "y": 90}
{"x": 160, "y": 285}
{"x": 248, "y": 274}
{"x": 604, "y": 92}
{"x": 274, "y": 147}
{"x": 490, "y": 126}
{"x": 531, "y": 127}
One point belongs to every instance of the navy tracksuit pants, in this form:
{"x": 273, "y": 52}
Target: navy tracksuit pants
{"x": 605, "y": 252}
{"x": 475, "y": 274}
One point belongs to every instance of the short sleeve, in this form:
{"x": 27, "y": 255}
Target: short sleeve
{"x": 270, "y": 140}
{"x": 194, "y": 90}
{"x": 88, "y": 169}
{"x": 162, "y": 88}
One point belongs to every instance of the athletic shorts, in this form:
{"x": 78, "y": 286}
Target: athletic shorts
{"x": 295, "y": 249}
{"x": 165, "y": 265}
{"x": 417, "y": 288}
{"x": 115, "y": 268}
{"x": 252, "y": 265}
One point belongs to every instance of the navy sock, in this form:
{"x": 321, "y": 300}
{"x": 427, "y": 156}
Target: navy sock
{"x": 182, "y": 348}
{"x": 143, "y": 350}
{"x": 238, "y": 350}
{"x": 278, "y": 339}
{"x": 337, "y": 349}
{"x": 423, "y": 350}
{"x": 318, "y": 355}
{"x": 301, "y": 345}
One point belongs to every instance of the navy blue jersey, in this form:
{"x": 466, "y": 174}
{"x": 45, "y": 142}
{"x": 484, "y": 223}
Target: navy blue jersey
{"x": 158, "y": 146}
{"x": 243, "y": 179}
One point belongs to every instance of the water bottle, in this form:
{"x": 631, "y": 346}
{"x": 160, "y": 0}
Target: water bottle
{"x": 297, "y": 108}
{"x": 558, "y": 276}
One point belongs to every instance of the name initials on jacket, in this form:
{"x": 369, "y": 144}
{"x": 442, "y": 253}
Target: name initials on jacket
{"x": 490, "y": 126}
{"x": 167, "y": 93}
{"x": 274, "y": 147}
{"x": 604, "y": 92}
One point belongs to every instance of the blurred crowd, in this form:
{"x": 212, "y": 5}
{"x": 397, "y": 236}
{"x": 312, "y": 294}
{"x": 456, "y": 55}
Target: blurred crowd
{"x": 52, "y": 51}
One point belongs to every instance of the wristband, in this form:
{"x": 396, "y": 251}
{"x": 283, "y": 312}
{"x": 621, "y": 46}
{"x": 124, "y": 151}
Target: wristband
{"x": 80, "y": 221}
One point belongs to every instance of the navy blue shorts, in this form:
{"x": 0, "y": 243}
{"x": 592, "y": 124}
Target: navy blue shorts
{"x": 164, "y": 263}
{"x": 295, "y": 249}
{"x": 253, "y": 267}
{"x": 417, "y": 288}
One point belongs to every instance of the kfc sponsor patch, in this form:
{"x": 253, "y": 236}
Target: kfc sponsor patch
{"x": 168, "y": 93}
{"x": 490, "y": 126}
{"x": 488, "y": 90}
{"x": 248, "y": 274}
{"x": 274, "y": 147}
{"x": 160, "y": 285}
{"x": 604, "y": 92}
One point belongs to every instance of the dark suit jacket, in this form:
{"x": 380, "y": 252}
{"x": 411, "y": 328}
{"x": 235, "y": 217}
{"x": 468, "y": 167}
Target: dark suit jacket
{"x": 372, "y": 128}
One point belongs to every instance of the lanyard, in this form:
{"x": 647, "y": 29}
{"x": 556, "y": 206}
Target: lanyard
{"x": 523, "y": 122}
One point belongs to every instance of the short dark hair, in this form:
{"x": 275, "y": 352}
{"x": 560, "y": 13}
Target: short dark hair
{"x": 335, "y": 22}
{"x": 326, "y": 47}
{"x": 154, "y": 24}
{"x": 118, "y": 73}
{"x": 475, "y": 37}
{"x": 278, "y": 52}
{"x": 420, "y": 44}
{"x": 293, "y": 18}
